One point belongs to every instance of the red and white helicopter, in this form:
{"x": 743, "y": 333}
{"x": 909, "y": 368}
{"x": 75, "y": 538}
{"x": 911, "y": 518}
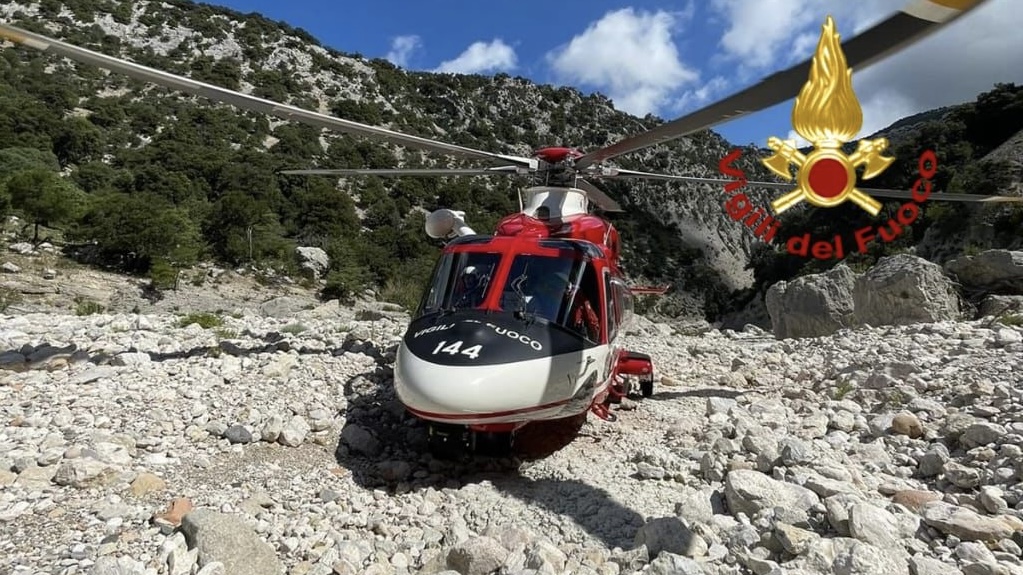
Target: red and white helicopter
{"x": 526, "y": 324}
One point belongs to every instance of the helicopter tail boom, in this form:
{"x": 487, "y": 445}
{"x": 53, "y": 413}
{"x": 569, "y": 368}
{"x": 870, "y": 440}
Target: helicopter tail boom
{"x": 649, "y": 290}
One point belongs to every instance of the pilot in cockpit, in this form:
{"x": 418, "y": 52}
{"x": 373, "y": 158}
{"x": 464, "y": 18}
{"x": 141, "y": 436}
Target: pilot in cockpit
{"x": 469, "y": 289}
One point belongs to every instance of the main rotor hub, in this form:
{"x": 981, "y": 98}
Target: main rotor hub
{"x": 558, "y": 165}
{"x": 556, "y": 155}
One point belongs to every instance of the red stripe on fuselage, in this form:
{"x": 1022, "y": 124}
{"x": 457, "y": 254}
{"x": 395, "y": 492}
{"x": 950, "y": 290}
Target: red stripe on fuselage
{"x": 455, "y": 417}
{"x": 587, "y": 227}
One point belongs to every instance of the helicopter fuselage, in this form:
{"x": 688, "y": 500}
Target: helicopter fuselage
{"x": 519, "y": 326}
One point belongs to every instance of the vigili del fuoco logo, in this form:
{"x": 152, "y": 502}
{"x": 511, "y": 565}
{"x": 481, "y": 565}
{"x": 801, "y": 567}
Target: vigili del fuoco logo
{"x": 827, "y": 114}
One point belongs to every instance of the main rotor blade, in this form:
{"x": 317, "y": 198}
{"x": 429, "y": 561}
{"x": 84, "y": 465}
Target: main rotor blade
{"x": 500, "y": 171}
{"x": 598, "y": 197}
{"x": 879, "y": 192}
{"x": 941, "y": 196}
{"x": 621, "y": 174}
{"x": 244, "y": 101}
{"x": 916, "y": 20}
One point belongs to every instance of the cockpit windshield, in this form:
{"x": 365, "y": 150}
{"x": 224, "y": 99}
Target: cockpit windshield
{"x": 540, "y": 285}
{"x": 561, "y": 290}
{"x": 460, "y": 281}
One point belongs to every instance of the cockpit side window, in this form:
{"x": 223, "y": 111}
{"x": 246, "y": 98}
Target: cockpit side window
{"x": 460, "y": 281}
{"x": 585, "y": 313}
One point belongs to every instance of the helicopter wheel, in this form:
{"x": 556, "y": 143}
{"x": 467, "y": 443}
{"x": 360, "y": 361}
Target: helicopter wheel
{"x": 646, "y": 385}
{"x": 448, "y": 442}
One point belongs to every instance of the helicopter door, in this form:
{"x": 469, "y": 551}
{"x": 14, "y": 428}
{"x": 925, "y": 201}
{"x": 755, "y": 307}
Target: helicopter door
{"x": 623, "y": 302}
{"x": 584, "y": 313}
{"x": 612, "y": 310}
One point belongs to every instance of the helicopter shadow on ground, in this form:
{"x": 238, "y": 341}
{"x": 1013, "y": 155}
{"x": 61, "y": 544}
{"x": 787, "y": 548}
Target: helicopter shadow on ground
{"x": 28, "y": 357}
{"x": 703, "y": 392}
{"x": 384, "y": 447}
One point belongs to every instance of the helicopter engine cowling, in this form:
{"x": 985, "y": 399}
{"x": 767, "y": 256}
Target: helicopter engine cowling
{"x": 446, "y": 223}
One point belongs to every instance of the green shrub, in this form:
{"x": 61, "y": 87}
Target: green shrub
{"x": 8, "y": 297}
{"x": 87, "y": 307}
{"x": 204, "y": 319}
{"x": 404, "y": 292}
{"x": 163, "y": 275}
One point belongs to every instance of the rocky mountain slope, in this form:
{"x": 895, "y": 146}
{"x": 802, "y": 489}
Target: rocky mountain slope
{"x": 174, "y": 162}
{"x": 667, "y": 229}
{"x": 983, "y": 225}
{"x": 238, "y": 425}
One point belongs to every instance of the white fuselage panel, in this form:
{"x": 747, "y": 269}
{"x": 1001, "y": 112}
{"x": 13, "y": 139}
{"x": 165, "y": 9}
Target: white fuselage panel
{"x": 545, "y": 388}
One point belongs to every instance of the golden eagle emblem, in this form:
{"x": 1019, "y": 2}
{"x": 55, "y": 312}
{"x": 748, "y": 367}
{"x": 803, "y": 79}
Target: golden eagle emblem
{"x": 828, "y": 115}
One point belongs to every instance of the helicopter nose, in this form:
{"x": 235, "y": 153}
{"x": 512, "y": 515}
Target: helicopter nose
{"x": 434, "y": 387}
{"x": 484, "y": 394}
{"x": 475, "y": 371}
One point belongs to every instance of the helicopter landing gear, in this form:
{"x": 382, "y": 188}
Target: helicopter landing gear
{"x": 618, "y": 389}
{"x": 448, "y": 442}
{"x": 638, "y": 365}
{"x": 456, "y": 442}
{"x": 602, "y": 411}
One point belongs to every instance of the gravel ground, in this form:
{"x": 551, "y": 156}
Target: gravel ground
{"x": 132, "y": 445}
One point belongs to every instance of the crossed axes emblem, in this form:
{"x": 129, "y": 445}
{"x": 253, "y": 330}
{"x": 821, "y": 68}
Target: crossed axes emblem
{"x": 828, "y": 169}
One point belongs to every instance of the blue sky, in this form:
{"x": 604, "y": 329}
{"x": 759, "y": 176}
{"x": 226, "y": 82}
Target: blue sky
{"x": 668, "y": 57}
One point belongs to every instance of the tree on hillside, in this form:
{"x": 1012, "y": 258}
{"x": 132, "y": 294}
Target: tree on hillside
{"x": 17, "y": 159}
{"x": 26, "y": 122}
{"x": 97, "y": 178}
{"x": 140, "y": 229}
{"x": 45, "y": 198}
{"x": 322, "y": 213}
{"x": 77, "y": 140}
{"x": 245, "y": 229}
{"x": 995, "y": 117}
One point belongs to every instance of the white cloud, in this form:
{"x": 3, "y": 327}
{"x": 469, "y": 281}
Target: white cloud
{"x": 690, "y": 99}
{"x": 952, "y": 66}
{"x": 401, "y": 48}
{"x": 764, "y": 33}
{"x": 756, "y": 29}
{"x": 887, "y": 105}
{"x": 481, "y": 57}
{"x": 801, "y": 142}
{"x": 631, "y": 56}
